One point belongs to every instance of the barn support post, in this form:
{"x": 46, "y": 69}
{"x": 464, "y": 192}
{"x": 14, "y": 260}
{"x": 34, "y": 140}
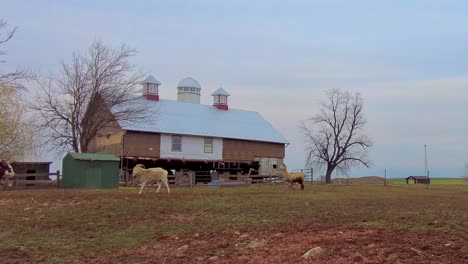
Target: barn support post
{"x": 122, "y": 161}
{"x": 58, "y": 179}
{"x": 126, "y": 173}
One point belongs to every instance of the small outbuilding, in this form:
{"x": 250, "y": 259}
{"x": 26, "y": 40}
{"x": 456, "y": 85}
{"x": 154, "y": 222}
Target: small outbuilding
{"x": 40, "y": 169}
{"x": 418, "y": 179}
{"x": 89, "y": 170}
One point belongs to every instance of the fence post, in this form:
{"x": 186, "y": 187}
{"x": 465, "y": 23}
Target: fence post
{"x": 191, "y": 178}
{"x": 58, "y": 179}
{"x": 311, "y": 175}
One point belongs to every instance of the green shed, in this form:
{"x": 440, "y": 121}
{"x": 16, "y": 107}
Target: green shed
{"x": 89, "y": 170}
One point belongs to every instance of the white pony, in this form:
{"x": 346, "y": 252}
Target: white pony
{"x": 152, "y": 174}
{"x": 6, "y": 171}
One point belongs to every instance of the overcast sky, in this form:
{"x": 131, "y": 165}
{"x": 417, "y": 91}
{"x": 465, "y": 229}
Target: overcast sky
{"x": 409, "y": 59}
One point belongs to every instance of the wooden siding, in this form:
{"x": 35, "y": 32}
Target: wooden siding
{"x": 108, "y": 140}
{"x": 243, "y": 150}
{"x": 139, "y": 144}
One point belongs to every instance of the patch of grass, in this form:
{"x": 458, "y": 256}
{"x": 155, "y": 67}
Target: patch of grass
{"x": 60, "y": 226}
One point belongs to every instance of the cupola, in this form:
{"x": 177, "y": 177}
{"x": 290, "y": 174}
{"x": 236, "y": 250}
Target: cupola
{"x": 151, "y": 88}
{"x": 220, "y": 99}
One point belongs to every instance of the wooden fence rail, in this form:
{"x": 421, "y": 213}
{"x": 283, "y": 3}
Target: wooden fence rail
{"x": 21, "y": 181}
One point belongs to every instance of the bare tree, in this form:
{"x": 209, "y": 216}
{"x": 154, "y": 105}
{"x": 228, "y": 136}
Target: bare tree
{"x": 10, "y": 79}
{"x": 18, "y": 134}
{"x": 77, "y": 104}
{"x": 334, "y": 137}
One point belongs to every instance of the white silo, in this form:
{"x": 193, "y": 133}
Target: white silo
{"x": 188, "y": 90}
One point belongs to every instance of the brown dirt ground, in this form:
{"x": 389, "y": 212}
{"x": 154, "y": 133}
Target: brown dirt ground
{"x": 341, "y": 245}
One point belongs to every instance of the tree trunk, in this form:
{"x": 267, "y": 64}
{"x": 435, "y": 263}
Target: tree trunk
{"x": 330, "y": 170}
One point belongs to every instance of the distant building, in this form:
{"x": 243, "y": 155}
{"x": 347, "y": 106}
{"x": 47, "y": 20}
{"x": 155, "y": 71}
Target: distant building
{"x": 184, "y": 134}
{"x": 39, "y": 169}
{"x": 418, "y": 179}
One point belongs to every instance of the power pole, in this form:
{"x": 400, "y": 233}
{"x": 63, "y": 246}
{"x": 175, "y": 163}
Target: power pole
{"x": 426, "y": 170}
{"x": 385, "y": 178}
{"x": 425, "y": 166}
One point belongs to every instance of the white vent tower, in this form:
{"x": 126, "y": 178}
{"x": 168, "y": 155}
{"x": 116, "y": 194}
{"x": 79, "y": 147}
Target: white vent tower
{"x": 188, "y": 90}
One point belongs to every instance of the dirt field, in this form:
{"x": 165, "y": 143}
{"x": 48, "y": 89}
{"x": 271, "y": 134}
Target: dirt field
{"x": 261, "y": 224}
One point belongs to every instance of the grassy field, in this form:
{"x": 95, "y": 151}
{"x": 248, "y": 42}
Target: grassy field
{"x": 434, "y": 181}
{"x": 258, "y": 224}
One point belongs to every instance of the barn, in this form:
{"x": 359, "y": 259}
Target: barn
{"x": 183, "y": 135}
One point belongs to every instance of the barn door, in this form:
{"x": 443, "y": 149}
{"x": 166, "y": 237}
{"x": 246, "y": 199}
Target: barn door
{"x": 269, "y": 166}
{"x": 93, "y": 178}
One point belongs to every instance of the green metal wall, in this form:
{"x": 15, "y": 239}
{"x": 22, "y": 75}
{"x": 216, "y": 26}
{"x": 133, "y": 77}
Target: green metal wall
{"x": 89, "y": 174}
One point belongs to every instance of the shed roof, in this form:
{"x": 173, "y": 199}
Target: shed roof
{"x": 32, "y": 162}
{"x": 174, "y": 117}
{"x": 93, "y": 156}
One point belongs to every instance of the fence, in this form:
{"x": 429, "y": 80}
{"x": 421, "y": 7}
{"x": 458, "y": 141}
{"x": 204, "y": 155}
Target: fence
{"x": 32, "y": 181}
{"x": 309, "y": 174}
{"x": 189, "y": 178}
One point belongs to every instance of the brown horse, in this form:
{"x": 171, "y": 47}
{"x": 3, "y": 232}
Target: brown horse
{"x": 6, "y": 171}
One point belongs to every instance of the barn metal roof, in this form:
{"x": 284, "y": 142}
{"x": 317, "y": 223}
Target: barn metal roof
{"x": 174, "y": 117}
{"x": 93, "y": 156}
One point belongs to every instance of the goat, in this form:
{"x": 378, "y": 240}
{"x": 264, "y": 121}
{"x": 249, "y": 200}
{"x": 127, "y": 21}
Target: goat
{"x": 293, "y": 177}
{"x": 152, "y": 174}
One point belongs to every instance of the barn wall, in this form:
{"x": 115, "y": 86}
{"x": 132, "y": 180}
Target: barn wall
{"x": 108, "y": 144}
{"x": 192, "y": 148}
{"x": 141, "y": 144}
{"x": 244, "y": 150}
{"x": 108, "y": 140}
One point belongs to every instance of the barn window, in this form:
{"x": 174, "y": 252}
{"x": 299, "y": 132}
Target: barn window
{"x": 208, "y": 147}
{"x": 176, "y": 143}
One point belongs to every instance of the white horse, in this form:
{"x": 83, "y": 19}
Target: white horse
{"x": 152, "y": 174}
{"x": 6, "y": 171}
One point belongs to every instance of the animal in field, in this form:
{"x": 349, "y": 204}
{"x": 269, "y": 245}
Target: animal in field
{"x": 293, "y": 177}
{"x": 145, "y": 176}
{"x": 6, "y": 172}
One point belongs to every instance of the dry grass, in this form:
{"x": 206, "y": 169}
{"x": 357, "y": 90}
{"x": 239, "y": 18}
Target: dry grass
{"x": 62, "y": 226}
